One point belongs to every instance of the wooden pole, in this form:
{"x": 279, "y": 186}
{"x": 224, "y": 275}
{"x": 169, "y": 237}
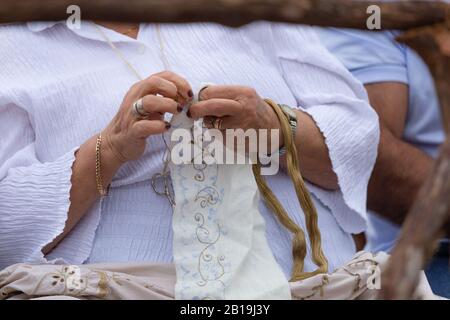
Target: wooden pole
{"x": 340, "y": 13}
{"x": 429, "y": 217}
{"x": 420, "y": 233}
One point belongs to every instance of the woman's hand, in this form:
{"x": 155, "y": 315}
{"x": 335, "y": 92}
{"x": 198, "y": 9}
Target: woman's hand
{"x": 236, "y": 107}
{"x": 240, "y": 107}
{"x": 125, "y": 137}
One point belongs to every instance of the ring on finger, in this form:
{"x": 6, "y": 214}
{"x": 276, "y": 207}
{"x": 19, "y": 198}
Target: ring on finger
{"x": 211, "y": 122}
{"x": 138, "y": 109}
{"x": 217, "y": 123}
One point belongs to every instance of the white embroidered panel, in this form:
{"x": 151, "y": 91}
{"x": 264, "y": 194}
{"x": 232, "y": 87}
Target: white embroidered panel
{"x": 220, "y": 248}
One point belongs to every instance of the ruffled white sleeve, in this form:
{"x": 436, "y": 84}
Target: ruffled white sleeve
{"x": 338, "y": 104}
{"x": 34, "y": 196}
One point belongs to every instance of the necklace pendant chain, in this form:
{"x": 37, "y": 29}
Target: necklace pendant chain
{"x": 119, "y": 53}
{"x": 162, "y": 50}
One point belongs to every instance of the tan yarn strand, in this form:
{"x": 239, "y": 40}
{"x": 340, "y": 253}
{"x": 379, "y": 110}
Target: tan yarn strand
{"x": 298, "y": 241}
{"x": 304, "y": 198}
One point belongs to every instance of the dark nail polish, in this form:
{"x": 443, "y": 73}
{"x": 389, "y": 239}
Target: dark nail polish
{"x": 190, "y": 94}
{"x": 179, "y": 108}
{"x": 189, "y": 114}
{"x": 168, "y": 125}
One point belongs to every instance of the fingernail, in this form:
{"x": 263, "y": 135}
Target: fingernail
{"x": 189, "y": 114}
{"x": 168, "y": 125}
{"x": 190, "y": 94}
{"x": 179, "y": 108}
{"x": 200, "y": 93}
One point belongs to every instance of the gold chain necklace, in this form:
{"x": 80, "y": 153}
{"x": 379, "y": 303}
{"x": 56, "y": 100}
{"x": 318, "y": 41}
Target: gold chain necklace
{"x": 163, "y": 176}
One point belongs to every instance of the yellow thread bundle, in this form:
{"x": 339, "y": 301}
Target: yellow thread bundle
{"x": 304, "y": 198}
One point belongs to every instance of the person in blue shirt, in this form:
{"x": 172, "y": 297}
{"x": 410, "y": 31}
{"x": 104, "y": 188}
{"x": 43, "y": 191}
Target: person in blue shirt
{"x": 401, "y": 90}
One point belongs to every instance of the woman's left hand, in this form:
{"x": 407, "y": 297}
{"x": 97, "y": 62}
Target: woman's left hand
{"x": 234, "y": 107}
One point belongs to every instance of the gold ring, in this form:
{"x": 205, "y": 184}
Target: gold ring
{"x": 217, "y": 124}
{"x": 212, "y": 121}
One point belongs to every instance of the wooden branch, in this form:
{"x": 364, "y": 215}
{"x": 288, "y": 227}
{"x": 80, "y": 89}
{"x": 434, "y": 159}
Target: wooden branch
{"x": 429, "y": 219}
{"x": 426, "y": 221}
{"x": 420, "y": 233}
{"x": 339, "y": 13}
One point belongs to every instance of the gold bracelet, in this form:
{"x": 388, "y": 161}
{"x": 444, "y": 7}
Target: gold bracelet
{"x": 98, "y": 168}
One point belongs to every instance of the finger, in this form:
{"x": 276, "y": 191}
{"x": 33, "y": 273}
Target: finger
{"x": 226, "y": 92}
{"x": 157, "y": 85}
{"x": 161, "y": 105}
{"x": 215, "y": 107}
{"x": 222, "y": 123}
{"x": 154, "y": 116}
{"x": 208, "y": 122}
{"x": 145, "y": 128}
{"x": 183, "y": 86}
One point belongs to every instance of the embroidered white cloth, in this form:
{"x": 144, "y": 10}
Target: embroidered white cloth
{"x": 356, "y": 279}
{"x": 58, "y": 87}
{"x": 219, "y": 246}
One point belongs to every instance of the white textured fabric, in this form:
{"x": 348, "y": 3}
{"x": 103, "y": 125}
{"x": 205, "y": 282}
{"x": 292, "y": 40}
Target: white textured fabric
{"x": 58, "y": 87}
{"x": 219, "y": 245}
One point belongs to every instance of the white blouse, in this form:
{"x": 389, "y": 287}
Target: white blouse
{"x": 58, "y": 87}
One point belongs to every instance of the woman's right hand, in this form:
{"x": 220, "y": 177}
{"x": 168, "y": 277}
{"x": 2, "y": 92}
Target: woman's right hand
{"x": 126, "y": 134}
{"x": 124, "y": 140}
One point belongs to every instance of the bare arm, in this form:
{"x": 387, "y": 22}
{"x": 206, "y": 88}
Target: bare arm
{"x": 400, "y": 168}
{"x": 314, "y": 159}
{"x": 84, "y": 188}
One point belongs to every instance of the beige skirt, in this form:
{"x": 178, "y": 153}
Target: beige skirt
{"x": 358, "y": 279}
